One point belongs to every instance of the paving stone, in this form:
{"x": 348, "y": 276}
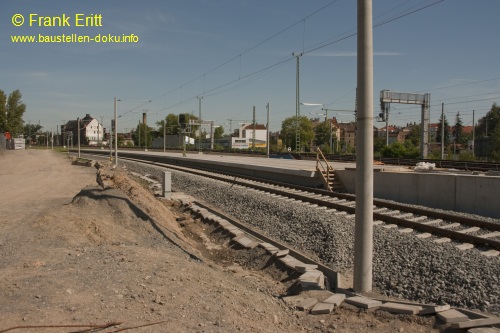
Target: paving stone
{"x": 400, "y": 308}
{"x": 246, "y": 242}
{"x": 307, "y": 304}
{"x": 363, "y": 302}
{"x": 312, "y": 279}
{"x": 305, "y": 267}
{"x": 289, "y": 261}
{"x": 335, "y": 299}
{"x": 282, "y": 253}
{"x": 465, "y": 246}
{"x": 484, "y": 330}
{"x": 434, "y": 309}
{"x": 476, "y": 323}
{"x": 322, "y": 308}
{"x": 452, "y": 316}
{"x": 269, "y": 247}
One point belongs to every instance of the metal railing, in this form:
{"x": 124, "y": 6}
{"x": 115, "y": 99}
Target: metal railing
{"x": 323, "y": 167}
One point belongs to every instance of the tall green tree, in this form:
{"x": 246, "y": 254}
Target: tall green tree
{"x": 495, "y": 144}
{"x": 288, "y": 132}
{"x": 414, "y": 135}
{"x": 487, "y": 124}
{"x": 218, "y": 132}
{"x": 12, "y": 110}
{"x": 323, "y": 132}
{"x": 446, "y": 131}
{"x": 3, "y": 113}
{"x": 143, "y": 136}
{"x": 458, "y": 129}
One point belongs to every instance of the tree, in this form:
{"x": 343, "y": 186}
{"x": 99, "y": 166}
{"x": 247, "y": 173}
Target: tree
{"x": 414, "y": 135}
{"x": 143, "y": 134}
{"x": 3, "y": 116}
{"x": 172, "y": 122}
{"x": 288, "y": 135}
{"x": 401, "y": 150}
{"x": 446, "y": 131}
{"x": 31, "y": 130}
{"x": 323, "y": 133}
{"x": 12, "y": 110}
{"x": 495, "y": 144}
{"x": 218, "y": 132}
{"x": 487, "y": 124}
{"x": 458, "y": 129}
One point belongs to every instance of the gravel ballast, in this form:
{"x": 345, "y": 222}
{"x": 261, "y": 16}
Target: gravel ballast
{"x": 403, "y": 266}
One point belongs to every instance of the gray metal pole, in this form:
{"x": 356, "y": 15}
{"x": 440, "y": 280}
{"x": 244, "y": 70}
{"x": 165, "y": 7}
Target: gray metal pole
{"x": 268, "y": 141}
{"x": 116, "y": 136}
{"x": 199, "y": 120}
{"x": 442, "y": 131}
{"x": 164, "y": 135}
{"x": 473, "y": 136}
{"x": 386, "y": 128}
{"x": 363, "y": 237}
{"x": 78, "y": 124}
{"x": 212, "y": 135}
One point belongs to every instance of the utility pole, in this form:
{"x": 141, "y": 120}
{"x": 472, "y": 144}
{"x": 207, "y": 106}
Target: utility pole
{"x": 363, "y": 234}
{"x": 473, "y": 136}
{"x": 442, "y": 131}
{"x": 111, "y": 140}
{"x": 144, "y": 121}
{"x": 78, "y": 124}
{"x": 116, "y": 137}
{"x": 199, "y": 120}
{"x": 297, "y": 103}
{"x": 253, "y": 130}
{"x": 164, "y": 134}
{"x": 268, "y": 139}
{"x": 212, "y": 135}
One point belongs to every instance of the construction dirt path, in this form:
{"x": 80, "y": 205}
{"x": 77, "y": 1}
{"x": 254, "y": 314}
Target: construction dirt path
{"x": 74, "y": 255}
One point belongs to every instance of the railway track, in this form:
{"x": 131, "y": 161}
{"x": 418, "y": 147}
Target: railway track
{"x": 425, "y": 223}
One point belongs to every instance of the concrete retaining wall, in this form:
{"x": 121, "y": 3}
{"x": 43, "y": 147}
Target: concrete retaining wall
{"x": 475, "y": 194}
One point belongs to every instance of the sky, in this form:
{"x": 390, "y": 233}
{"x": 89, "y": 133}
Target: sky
{"x": 234, "y": 55}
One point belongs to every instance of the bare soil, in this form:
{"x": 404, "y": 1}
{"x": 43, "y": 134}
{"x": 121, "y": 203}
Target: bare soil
{"x": 75, "y": 253}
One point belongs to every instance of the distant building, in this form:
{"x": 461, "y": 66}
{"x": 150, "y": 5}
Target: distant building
{"x": 249, "y": 136}
{"x": 91, "y": 132}
{"x": 347, "y": 134}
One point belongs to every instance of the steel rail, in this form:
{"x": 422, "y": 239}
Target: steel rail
{"x": 456, "y": 235}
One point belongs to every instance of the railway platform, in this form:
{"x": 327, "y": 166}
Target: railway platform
{"x": 460, "y": 191}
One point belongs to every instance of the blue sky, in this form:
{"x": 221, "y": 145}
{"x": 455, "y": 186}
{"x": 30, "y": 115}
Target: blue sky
{"x": 238, "y": 54}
